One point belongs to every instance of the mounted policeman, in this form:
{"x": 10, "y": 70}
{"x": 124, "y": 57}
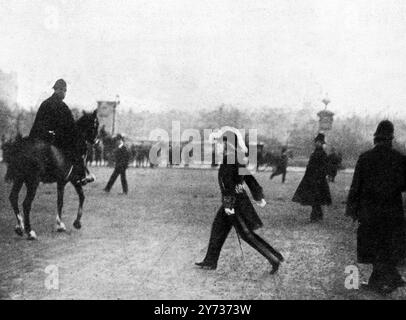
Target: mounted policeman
{"x": 54, "y": 123}
{"x": 55, "y": 152}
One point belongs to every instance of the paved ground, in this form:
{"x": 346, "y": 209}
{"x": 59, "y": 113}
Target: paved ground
{"x": 144, "y": 246}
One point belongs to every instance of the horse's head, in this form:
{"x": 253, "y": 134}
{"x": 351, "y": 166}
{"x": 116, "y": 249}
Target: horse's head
{"x": 88, "y": 126}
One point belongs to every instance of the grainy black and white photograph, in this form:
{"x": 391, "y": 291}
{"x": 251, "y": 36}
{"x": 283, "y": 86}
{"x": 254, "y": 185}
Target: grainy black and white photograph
{"x": 202, "y": 150}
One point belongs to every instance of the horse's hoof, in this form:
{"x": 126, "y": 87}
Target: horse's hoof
{"x": 32, "y": 235}
{"x": 19, "y": 231}
{"x": 77, "y": 224}
{"x": 61, "y": 227}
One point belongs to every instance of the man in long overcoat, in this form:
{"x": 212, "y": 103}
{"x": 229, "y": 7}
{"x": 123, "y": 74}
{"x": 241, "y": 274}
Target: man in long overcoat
{"x": 375, "y": 201}
{"x": 313, "y": 190}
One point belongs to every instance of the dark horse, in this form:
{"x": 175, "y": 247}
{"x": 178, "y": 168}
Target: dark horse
{"x": 35, "y": 161}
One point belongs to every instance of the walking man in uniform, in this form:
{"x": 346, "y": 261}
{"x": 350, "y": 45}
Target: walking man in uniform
{"x": 236, "y": 209}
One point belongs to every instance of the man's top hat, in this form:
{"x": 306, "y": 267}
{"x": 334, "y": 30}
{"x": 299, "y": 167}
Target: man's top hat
{"x": 59, "y": 84}
{"x": 384, "y": 130}
{"x": 320, "y": 138}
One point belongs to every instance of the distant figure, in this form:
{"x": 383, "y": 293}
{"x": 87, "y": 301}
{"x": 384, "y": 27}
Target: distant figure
{"x": 133, "y": 154}
{"x": 375, "y": 201}
{"x": 313, "y": 190}
{"x": 89, "y": 154}
{"x": 3, "y": 147}
{"x": 98, "y": 152}
{"x": 281, "y": 165}
{"x": 333, "y": 164}
{"x": 169, "y": 164}
{"x": 142, "y": 155}
{"x": 121, "y": 158}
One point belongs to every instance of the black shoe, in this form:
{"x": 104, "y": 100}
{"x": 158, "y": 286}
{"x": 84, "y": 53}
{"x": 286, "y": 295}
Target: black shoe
{"x": 88, "y": 179}
{"x": 206, "y": 266}
{"x": 275, "y": 267}
{"x": 280, "y": 257}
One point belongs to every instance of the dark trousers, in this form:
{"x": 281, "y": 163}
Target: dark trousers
{"x": 332, "y": 175}
{"x": 317, "y": 213}
{"x": 221, "y": 228}
{"x": 279, "y": 171}
{"x": 118, "y": 172}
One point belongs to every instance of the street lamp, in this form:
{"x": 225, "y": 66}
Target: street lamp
{"x": 325, "y": 117}
{"x": 326, "y": 101}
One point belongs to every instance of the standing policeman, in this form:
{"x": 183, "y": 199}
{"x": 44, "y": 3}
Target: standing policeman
{"x": 122, "y": 158}
{"x": 375, "y": 201}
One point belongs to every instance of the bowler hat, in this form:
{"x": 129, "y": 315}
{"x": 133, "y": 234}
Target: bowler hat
{"x": 384, "y": 130}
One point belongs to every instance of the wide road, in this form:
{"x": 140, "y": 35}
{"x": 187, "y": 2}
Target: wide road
{"x": 144, "y": 245}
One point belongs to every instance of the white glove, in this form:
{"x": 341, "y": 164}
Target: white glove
{"x": 261, "y": 203}
{"x": 229, "y": 212}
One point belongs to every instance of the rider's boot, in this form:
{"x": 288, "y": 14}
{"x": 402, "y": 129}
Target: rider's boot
{"x": 79, "y": 174}
{"x": 85, "y": 176}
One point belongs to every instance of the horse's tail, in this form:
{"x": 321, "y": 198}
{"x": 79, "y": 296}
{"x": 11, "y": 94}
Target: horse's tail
{"x": 13, "y": 158}
{"x": 10, "y": 158}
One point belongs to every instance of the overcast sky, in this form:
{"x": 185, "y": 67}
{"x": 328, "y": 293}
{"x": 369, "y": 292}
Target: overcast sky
{"x": 196, "y": 54}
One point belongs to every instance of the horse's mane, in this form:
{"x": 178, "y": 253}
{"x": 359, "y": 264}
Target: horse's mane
{"x": 83, "y": 121}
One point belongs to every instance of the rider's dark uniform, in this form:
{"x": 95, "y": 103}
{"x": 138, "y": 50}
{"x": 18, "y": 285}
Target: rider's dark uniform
{"x": 54, "y": 123}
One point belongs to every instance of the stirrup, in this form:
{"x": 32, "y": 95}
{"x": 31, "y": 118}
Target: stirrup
{"x": 90, "y": 178}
